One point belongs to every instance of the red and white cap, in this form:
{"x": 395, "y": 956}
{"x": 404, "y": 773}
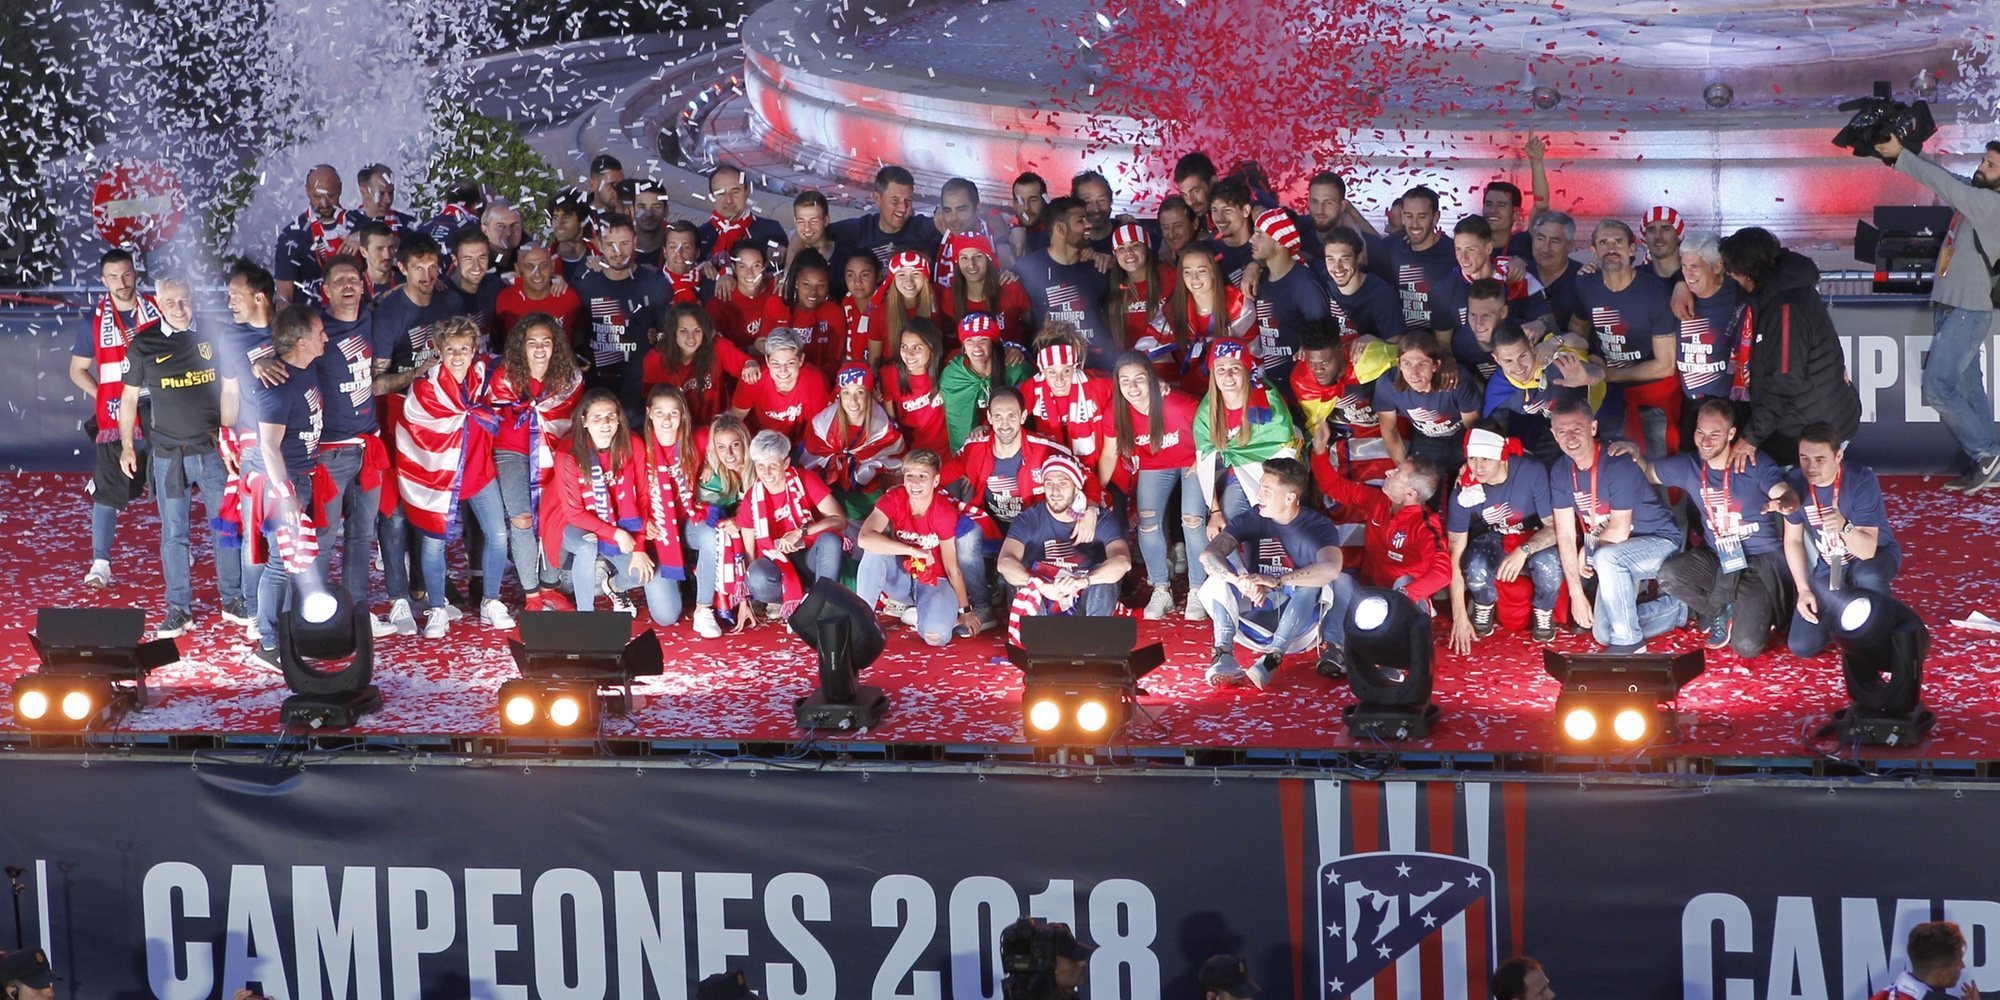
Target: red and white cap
{"x": 1126, "y": 235}
{"x": 909, "y": 260}
{"x": 1661, "y": 213}
{"x": 1278, "y": 226}
{"x": 1060, "y": 461}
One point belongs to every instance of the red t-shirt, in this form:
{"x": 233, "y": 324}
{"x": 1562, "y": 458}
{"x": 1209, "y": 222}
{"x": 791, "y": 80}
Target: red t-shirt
{"x": 821, "y": 331}
{"x": 740, "y": 317}
{"x": 929, "y": 530}
{"x": 514, "y": 304}
{"x": 813, "y": 486}
{"x": 513, "y": 435}
{"x": 1177, "y": 436}
{"x": 919, "y": 411}
{"x": 788, "y": 413}
{"x": 706, "y": 397}
{"x": 1010, "y": 312}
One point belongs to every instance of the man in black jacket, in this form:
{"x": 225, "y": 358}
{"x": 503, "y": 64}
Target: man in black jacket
{"x": 1796, "y": 373}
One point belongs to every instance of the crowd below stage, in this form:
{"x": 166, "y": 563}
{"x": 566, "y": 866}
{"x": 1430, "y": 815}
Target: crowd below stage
{"x": 1229, "y": 411}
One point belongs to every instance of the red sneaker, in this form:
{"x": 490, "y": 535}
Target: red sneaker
{"x": 555, "y": 600}
{"x": 531, "y": 601}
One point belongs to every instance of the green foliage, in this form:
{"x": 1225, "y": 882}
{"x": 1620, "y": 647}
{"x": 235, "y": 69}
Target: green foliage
{"x": 492, "y": 152}
{"x": 219, "y": 221}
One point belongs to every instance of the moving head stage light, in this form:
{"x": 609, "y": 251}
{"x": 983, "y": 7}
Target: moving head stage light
{"x": 1883, "y": 645}
{"x": 843, "y": 631}
{"x": 314, "y": 637}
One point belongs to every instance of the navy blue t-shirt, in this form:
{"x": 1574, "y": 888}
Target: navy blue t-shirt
{"x": 863, "y": 234}
{"x": 1046, "y": 540}
{"x": 403, "y": 329}
{"x": 1706, "y": 350}
{"x": 347, "y": 376}
{"x": 1073, "y": 293}
{"x": 1561, "y": 293}
{"x": 1472, "y": 355}
{"x": 1283, "y": 307}
{"x": 441, "y": 228}
{"x": 1434, "y": 414}
{"x": 1614, "y": 482}
{"x": 297, "y": 404}
{"x": 1373, "y": 310}
{"x": 1624, "y": 323}
{"x": 1449, "y": 298}
{"x": 1856, "y": 494}
{"x": 295, "y": 260}
{"x": 1232, "y": 260}
{"x": 1731, "y": 504}
{"x": 1518, "y": 505}
{"x": 1275, "y": 548}
{"x": 478, "y": 306}
{"x": 1417, "y": 273}
{"x": 622, "y": 311}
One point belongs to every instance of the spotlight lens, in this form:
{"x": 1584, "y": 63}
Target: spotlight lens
{"x": 1629, "y": 725}
{"x": 1044, "y": 715}
{"x": 1580, "y": 724}
{"x": 520, "y": 710}
{"x": 77, "y": 706}
{"x": 1855, "y": 614}
{"x": 565, "y": 711}
{"x": 318, "y": 608}
{"x": 1093, "y": 716}
{"x": 1371, "y": 612}
{"x": 32, "y": 704}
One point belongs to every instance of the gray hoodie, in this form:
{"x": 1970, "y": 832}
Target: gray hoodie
{"x": 1963, "y": 280}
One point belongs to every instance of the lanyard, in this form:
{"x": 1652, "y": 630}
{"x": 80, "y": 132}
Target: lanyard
{"x": 1596, "y": 462}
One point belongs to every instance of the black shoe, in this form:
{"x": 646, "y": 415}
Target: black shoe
{"x": 175, "y": 624}
{"x": 1986, "y": 476}
{"x": 1483, "y": 620}
{"x": 1542, "y": 628}
{"x": 1965, "y": 479}
{"x": 1332, "y": 661}
{"x": 237, "y": 612}
{"x": 1718, "y": 629}
{"x": 260, "y": 656}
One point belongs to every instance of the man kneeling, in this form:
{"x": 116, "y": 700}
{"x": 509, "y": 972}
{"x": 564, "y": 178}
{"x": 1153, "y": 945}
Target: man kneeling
{"x": 1065, "y": 555}
{"x": 1285, "y": 603}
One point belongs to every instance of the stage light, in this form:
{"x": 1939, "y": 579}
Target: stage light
{"x": 93, "y": 667}
{"x": 327, "y": 652}
{"x": 1616, "y": 700}
{"x": 1580, "y": 724}
{"x": 567, "y": 659}
{"x": 1883, "y": 645}
{"x": 1081, "y": 675}
{"x": 1389, "y": 667}
{"x": 842, "y": 630}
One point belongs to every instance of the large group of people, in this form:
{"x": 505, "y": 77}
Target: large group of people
{"x": 1229, "y": 410}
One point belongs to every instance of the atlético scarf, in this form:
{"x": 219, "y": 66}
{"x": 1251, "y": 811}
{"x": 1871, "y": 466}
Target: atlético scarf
{"x": 114, "y": 339}
{"x": 546, "y": 417}
{"x": 772, "y": 516}
{"x": 727, "y": 232}
{"x": 323, "y": 245}
{"x": 669, "y": 498}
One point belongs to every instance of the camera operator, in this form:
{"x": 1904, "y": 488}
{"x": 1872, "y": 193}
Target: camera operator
{"x": 25, "y": 975}
{"x": 1963, "y": 298}
{"x": 1043, "y": 961}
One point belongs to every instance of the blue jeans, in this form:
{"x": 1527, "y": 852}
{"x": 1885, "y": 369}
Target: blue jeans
{"x": 515, "y": 501}
{"x": 1287, "y": 613}
{"x": 1872, "y": 575}
{"x": 971, "y": 544}
{"x": 936, "y": 604}
{"x": 1150, "y": 497}
{"x": 822, "y": 561}
{"x": 350, "y": 517}
{"x": 204, "y": 471}
{"x": 103, "y": 530}
{"x": 492, "y": 557}
{"x": 1952, "y": 383}
{"x": 1620, "y": 567}
{"x": 276, "y": 588}
{"x": 1481, "y": 563}
{"x": 392, "y": 530}
{"x": 702, "y": 538}
{"x": 663, "y": 596}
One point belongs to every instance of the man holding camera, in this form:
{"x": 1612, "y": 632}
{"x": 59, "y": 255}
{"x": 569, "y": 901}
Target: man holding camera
{"x": 1964, "y": 300}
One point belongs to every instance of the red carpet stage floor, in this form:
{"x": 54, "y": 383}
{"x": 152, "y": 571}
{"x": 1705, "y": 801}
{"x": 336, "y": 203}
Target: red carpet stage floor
{"x": 740, "y": 688}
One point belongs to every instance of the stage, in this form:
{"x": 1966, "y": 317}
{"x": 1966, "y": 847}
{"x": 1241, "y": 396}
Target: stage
{"x": 734, "y": 695}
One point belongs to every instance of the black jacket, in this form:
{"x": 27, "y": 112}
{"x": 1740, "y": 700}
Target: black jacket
{"x": 1797, "y": 373}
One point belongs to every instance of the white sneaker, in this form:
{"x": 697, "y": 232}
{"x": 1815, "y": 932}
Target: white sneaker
{"x": 99, "y": 576}
{"x": 451, "y": 614}
{"x": 401, "y": 618}
{"x": 908, "y": 617}
{"x": 381, "y": 627}
{"x": 892, "y": 608}
{"x": 435, "y": 623}
{"x": 705, "y": 624}
{"x": 1159, "y": 604}
{"x": 493, "y": 614}
{"x": 1196, "y": 611}
{"x": 253, "y": 633}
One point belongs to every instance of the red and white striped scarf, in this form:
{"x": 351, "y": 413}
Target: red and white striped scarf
{"x": 546, "y": 416}
{"x": 727, "y": 232}
{"x": 430, "y": 446}
{"x": 772, "y": 516}
{"x": 114, "y": 339}
{"x": 324, "y": 246}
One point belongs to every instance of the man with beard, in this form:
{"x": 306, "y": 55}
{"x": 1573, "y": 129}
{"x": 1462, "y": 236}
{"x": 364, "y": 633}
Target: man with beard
{"x": 894, "y": 225}
{"x": 1287, "y": 297}
{"x": 97, "y": 366}
{"x": 1229, "y": 208}
{"x": 606, "y": 173}
{"x": 378, "y": 199}
{"x": 1029, "y": 231}
{"x": 502, "y": 225}
{"x": 1094, "y": 191}
{"x": 1281, "y": 586}
{"x": 1500, "y": 203}
{"x": 378, "y": 260}
{"x": 1177, "y": 227}
{"x": 405, "y": 320}
{"x": 1362, "y": 303}
{"x": 1610, "y": 525}
{"x": 1964, "y": 296}
{"x": 646, "y": 202}
{"x": 623, "y": 301}
{"x": 350, "y": 447}
{"x": 477, "y": 286}
{"x": 1472, "y": 248}
{"x": 1064, "y": 282}
{"x": 1194, "y": 177}
{"x": 810, "y": 213}
{"x": 1705, "y": 351}
{"x": 1421, "y": 258}
{"x": 534, "y": 292}
{"x": 305, "y": 244}
{"x": 1738, "y": 585}
{"x": 1628, "y": 314}
{"x": 1326, "y": 202}
{"x": 569, "y": 230}
{"x": 1065, "y": 555}
{"x": 1662, "y": 229}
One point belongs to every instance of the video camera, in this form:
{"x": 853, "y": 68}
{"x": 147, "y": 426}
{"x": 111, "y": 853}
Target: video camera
{"x": 1029, "y": 948}
{"x": 1878, "y": 117}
